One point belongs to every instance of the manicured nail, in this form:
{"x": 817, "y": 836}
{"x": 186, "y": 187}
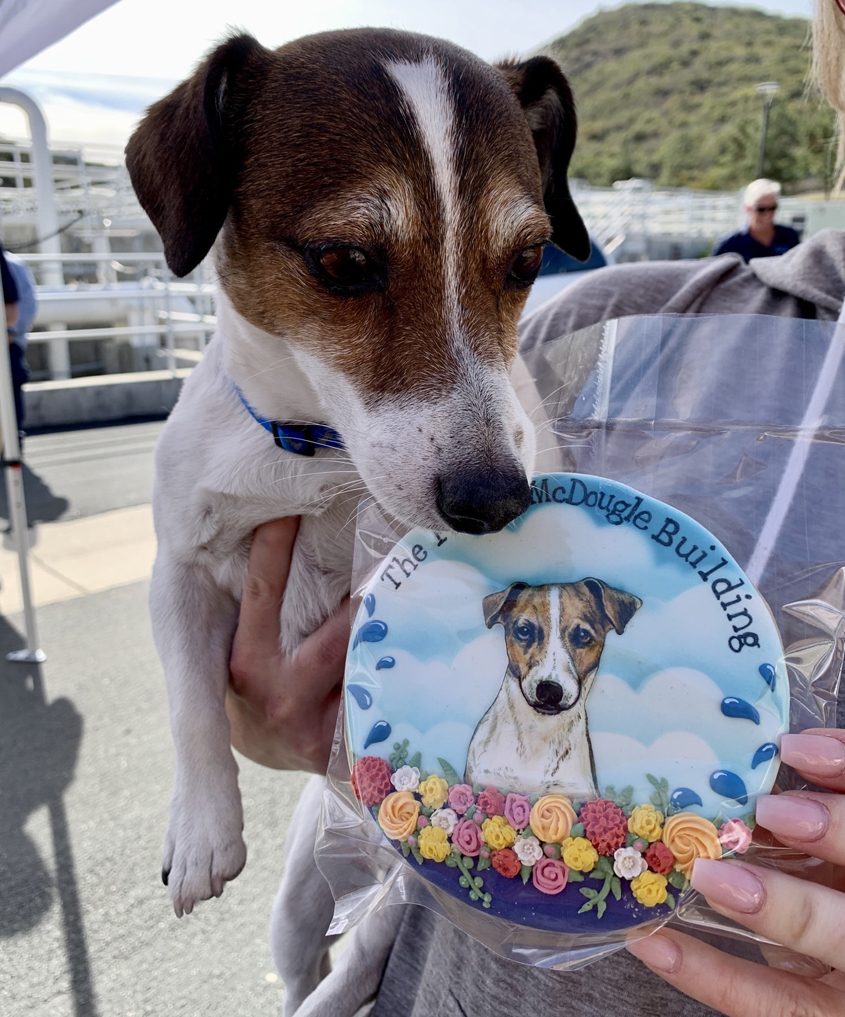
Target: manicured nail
{"x": 657, "y": 952}
{"x": 729, "y": 885}
{"x": 793, "y": 817}
{"x": 814, "y": 754}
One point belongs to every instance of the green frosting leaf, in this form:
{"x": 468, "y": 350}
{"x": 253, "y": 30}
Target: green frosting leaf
{"x": 616, "y": 888}
{"x": 449, "y": 772}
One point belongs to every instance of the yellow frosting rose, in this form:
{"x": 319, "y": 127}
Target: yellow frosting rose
{"x": 579, "y": 853}
{"x": 646, "y": 822}
{"x": 433, "y": 843}
{"x": 552, "y": 818}
{"x": 434, "y": 791}
{"x": 650, "y": 889}
{"x": 497, "y": 833}
{"x": 398, "y": 814}
{"x": 689, "y": 837}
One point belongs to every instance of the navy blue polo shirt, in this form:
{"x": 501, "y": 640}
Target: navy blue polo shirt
{"x": 744, "y": 244}
{"x": 10, "y": 289}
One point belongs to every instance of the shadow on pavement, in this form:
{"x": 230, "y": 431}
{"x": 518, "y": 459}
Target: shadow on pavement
{"x": 42, "y": 506}
{"x": 39, "y": 747}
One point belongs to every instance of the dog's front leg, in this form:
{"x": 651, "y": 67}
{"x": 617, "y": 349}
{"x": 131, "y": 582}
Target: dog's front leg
{"x": 193, "y": 624}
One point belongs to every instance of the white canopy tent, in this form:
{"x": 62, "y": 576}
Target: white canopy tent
{"x": 26, "y": 28}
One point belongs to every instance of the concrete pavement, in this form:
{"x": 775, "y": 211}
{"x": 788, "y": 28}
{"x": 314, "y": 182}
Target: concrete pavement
{"x": 86, "y": 928}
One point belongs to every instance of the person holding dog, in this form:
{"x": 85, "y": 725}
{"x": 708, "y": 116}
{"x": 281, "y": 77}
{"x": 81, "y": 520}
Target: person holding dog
{"x": 282, "y": 714}
{"x": 762, "y": 236}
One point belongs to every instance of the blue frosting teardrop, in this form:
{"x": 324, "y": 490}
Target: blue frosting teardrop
{"x": 370, "y": 632}
{"x": 764, "y": 754}
{"x": 768, "y": 674}
{"x": 361, "y": 696}
{"x": 385, "y": 662}
{"x": 370, "y": 604}
{"x": 729, "y": 785}
{"x": 683, "y": 797}
{"x": 733, "y": 707}
{"x": 378, "y": 732}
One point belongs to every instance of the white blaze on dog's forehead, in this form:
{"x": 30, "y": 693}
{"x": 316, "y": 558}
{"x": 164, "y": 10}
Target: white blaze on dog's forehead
{"x": 426, "y": 90}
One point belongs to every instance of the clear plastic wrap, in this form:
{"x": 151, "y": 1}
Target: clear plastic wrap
{"x": 736, "y": 421}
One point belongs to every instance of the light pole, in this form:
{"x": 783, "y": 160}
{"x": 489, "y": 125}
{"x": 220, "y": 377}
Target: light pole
{"x": 768, "y": 90}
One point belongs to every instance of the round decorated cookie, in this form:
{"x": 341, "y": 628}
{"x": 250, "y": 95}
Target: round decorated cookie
{"x": 553, "y": 722}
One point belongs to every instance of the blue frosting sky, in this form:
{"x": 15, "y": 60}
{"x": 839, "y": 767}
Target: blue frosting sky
{"x": 655, "y": 704}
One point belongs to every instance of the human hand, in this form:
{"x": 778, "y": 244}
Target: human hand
{"x": 282, "y": 709}
{"x": 803, "y": 916}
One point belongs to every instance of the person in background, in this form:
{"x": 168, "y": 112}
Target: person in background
{"x": 10, "y": 291}
{"x": 762, "y": 237}
{"x": 27, "y": 309}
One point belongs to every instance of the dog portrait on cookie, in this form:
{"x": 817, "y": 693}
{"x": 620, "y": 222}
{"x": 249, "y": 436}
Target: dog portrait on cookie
{"x": 535, "y": 734}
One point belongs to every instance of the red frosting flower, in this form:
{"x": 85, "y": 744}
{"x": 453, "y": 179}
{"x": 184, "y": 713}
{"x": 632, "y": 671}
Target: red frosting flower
{"x": 506, "y": 863}
{"x": 659, "y": 858}
{"x": 371, "y": 780}
{"x": 605, "y": 825}
{"x": 492, "y": 802}
{"x": 549, "y": 875}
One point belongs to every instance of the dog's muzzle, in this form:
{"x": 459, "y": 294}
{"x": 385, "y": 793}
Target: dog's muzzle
{"x": 482, "y": 501}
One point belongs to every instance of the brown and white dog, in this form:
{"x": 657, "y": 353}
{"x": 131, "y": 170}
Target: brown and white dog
{"x": 535, "y": 735}
{"x": 378, "y": 203}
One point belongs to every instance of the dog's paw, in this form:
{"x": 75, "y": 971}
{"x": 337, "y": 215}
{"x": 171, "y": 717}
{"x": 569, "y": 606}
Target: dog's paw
{"x": 203, "y": 850}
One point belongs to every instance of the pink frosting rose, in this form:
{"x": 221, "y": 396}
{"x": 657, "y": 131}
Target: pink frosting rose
{"x": 735, "y": 836}
{"x": 467, "y": 838}
{"x": 491, "y": 801}
{"x": 460, "y": 798}
{"x": 517, "y": 811}
{"x": 549, "y": 875}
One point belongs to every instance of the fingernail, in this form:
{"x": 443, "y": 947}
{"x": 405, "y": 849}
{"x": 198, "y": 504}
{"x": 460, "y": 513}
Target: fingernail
{"x": 729, "y": 885}
{"x": 813, "y": 753}
{"x": 793, "y": 817}
{"x": 658, "y": 952}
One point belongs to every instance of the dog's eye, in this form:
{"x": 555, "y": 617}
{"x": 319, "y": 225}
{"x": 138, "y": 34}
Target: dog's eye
{"x": 345, "y": 270}
{"x": 581, "y": 637}
{"x": 525, "y": 266}
{"x": 524, "y": 631}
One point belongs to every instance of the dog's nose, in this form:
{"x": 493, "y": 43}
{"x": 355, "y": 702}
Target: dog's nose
{"x": 549, "y": 694}
{"x": 482, "y": 501}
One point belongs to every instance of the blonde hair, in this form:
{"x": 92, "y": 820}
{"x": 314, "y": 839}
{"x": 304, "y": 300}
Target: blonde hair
{"x": 829, "y": 66}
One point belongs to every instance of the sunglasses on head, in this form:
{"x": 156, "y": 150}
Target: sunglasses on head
{"x": 765, "y": 208}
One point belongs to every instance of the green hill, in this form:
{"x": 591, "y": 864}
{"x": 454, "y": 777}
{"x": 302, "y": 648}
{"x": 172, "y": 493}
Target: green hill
{"x": 668, "y": 92}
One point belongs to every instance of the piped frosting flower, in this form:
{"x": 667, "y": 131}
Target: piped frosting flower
{"x": 434, "y": 844}
{"x": 398, "y": 814}
{"x": 552, "y": 818}
{"x": 579, "y": 854}
{"x": 371, "y": 779}
{"x": 549, "y": 876}
{"x": 628, "y": 863}
{"x": 650, "y": 889}
{"x": 605, "y": 825}
{"x": 647, "y": 822}
{"x": 445, "y": 819}
{"x": 461, "y": 798}
{"x": 467, "y": 838}
{"x": 735, "y": 836}
{"x": 528, "y": 849}
{"x": 688, "y": 837}
{"x": 406, "y": 778}
{"x": 497, "y": 833}
{"x": 659, "y": 858}
{"x": 491, "y": 802}
{"x": 506, "y": 862}
{"x": 434, "y": 791}
{"x": 517, "y": 810}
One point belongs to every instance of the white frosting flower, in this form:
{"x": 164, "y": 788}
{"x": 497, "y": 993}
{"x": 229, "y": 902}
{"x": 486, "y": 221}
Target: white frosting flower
{"x": 628, "y": 863}
{"x": 528, "y": 850}
{"x": 406, "y": 778}
{"x": 445, "y": 819}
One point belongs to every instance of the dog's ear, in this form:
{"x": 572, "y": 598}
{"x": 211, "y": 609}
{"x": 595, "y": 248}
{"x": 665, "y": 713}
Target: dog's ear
{"x": 183, "y": 157}
{"x": 546, "y": 99}
{"x": 497, "y": 604}
{"x": 618, "y": 606}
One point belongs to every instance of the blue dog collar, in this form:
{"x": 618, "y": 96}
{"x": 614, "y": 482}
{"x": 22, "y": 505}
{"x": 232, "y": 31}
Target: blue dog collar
{"x": 300, "y": 439}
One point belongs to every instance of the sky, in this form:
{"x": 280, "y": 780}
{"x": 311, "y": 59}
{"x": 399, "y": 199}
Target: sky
{"x": 94, "y": 83}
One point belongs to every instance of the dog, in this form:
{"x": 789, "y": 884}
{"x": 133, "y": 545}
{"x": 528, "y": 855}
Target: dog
{"x": 378, "y": 204}
{"x": 535, "y": 735}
